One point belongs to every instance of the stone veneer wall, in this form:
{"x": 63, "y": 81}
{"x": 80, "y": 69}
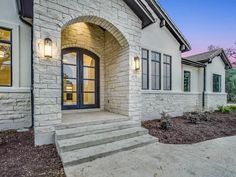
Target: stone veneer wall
{"x": 175, "y": 104}
{"x": 15, "y": 111}
{"x": 116, "y": 76}
{"x": 50, "y": 17}
{"x": 213, "y": 100}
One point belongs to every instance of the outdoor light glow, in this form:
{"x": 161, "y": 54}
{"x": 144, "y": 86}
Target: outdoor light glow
{"x": 48, "y": 48}
{"x": 2, "y": 54}
{"x": 137, "y": 63}
{"x": 69, "y": 88}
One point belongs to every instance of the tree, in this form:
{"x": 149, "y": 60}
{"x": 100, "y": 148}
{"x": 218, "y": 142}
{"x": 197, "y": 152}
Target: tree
{"x": 230, "y": 52}
{"x": 213, "y": 47}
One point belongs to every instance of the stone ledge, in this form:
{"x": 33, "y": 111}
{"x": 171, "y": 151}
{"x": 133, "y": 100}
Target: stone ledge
{"x": 14, "y": 89}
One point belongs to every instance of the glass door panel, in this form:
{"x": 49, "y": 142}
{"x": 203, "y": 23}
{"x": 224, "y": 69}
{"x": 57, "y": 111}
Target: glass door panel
{"x": 70, "y": 69}
{"x": 80, "y": 79}
{"x": 89, "y": 80}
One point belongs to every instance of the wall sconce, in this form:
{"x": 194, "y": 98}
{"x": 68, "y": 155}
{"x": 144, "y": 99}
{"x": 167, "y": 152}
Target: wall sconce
{"x": 2, "y": 54}
{"x": 137, "y": 63}
{"x": 48, "y": 47}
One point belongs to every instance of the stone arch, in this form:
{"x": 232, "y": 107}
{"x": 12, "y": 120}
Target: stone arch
{"x": 102, "y": 23}
{"x": 83, "y": 47}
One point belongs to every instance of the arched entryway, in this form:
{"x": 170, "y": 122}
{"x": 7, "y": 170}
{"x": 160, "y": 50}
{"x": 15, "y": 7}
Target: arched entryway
{"x": 80, "y": 79}
{"x": 110, "y": 91}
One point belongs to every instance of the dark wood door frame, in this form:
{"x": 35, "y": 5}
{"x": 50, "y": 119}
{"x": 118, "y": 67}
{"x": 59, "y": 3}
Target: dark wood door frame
{"x": 80, "y": 78}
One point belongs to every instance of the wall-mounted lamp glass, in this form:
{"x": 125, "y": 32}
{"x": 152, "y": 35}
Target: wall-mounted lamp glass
{"x": 48, "y": 47}
{"x": 2, "y": 54}
{"x": 137, "y": 63}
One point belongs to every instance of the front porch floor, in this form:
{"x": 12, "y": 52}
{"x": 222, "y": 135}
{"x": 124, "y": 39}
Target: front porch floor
{"x": 93, "y": 116}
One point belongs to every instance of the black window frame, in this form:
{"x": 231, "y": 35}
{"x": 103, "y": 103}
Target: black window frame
{"x": 10, "y": 43}
{"x": 164, "y": 77}
{"x": 220, "y": 83}
{"x": 147, "y": 59}
{"x": 155, "y": 62}
{"x": 189, "y": 82}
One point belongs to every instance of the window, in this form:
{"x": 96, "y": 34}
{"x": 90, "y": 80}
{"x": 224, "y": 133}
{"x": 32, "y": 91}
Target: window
{"x": 167, "y": 72}
{"x": 5, "y": 57}
{"x": 216, "y": 83}
{"x": 187, "y": 81}
{"x": 156, "y": 71}
{"x": 145, "y": 69}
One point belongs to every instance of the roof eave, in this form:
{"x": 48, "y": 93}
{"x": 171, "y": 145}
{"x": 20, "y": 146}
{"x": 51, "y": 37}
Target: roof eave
{"x": 141, "y": 11}
{"x": 192, "y": 63}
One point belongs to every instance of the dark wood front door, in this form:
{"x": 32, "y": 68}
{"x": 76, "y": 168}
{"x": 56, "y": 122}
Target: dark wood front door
{"x": 80, "y": 79}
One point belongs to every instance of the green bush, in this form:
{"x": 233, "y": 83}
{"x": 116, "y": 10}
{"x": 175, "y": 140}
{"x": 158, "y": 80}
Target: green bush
{"x": 226, "y": 109}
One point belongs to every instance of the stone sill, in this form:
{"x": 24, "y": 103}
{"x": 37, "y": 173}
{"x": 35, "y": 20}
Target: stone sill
{"x": 215, "y": 93}
{"x": 14, "y": 90}
{"x": 168, "y": 92}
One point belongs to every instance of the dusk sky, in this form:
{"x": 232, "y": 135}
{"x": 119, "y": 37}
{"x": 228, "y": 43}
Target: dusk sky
{"x": 204, "y": 22}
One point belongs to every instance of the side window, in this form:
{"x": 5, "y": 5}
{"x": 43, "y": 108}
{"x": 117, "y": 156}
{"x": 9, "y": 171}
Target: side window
{"x": 216, "y": 83}
{"x": 167, "y": 72}
{"x": 145, "y": 69}
{"x": 5, "y": 57}
{"x": 187, "y": 81}
{"x": 156, "y": 71}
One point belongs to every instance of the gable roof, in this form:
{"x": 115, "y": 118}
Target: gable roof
{"x": 192, "y": 63}
{"x": 209, "y": 56}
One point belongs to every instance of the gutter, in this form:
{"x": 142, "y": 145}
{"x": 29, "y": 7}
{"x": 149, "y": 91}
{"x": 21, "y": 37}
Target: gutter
{"x": 32, "y": 70}
{"x": 204, "y": 88}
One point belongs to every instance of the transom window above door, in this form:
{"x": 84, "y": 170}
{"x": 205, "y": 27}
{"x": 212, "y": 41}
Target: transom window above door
{"x": 80, "y": 79}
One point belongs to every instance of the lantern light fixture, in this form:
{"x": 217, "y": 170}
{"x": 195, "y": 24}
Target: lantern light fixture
{"x": 137, "y": 63}
{"x": 2, "y": 54}
{"x": 48, "y": 47}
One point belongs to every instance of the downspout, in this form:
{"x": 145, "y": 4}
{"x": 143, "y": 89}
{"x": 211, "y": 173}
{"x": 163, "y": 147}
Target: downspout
{"x": 204, "y": 88}
{"x": 32, "y": 70}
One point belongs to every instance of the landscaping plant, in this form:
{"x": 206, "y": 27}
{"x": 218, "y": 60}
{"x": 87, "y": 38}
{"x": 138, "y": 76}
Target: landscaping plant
{"x": 166, "y": 123}
{"x": 226, "y": 109}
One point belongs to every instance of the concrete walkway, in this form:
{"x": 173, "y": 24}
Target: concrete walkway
{"x": 215, "y": 158}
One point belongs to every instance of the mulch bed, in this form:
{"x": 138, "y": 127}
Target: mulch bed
{"x": 184, "y": 132}
{"x": 20, "y": 158}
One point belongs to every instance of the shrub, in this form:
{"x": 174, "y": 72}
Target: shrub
{"x": 166, "y": 122}
{"x": 204, "y": 116}
{"x": 226, "y": 109}
{"x": 220, "y": 108}
{"x": 233, "y": 107}
{"x": 192, "y": 117}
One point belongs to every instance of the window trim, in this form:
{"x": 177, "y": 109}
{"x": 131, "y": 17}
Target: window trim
{"x": 170, "y": 71}
{"x": 220, "y": 83}
{"x": 10, "y": 43}
{"x": 160, "y": 71}
{"x": 188, "y": 82}
{"x": 143, "y": 49}
{"x": 15, "y": 80}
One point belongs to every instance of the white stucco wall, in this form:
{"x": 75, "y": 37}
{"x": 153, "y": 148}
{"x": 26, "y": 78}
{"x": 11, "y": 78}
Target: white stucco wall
{"x": 161, "y": 40}
{"x": 216, "y": 67}
{"x": 15, "y": 107}
{"x": 196, "y": 78}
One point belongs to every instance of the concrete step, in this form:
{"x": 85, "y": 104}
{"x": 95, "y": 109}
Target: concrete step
{"x": 99, "y": 138}
{"x": 91, "y": 153}
{"x": 93, "y": 129}
{"x": 82, "y": 124}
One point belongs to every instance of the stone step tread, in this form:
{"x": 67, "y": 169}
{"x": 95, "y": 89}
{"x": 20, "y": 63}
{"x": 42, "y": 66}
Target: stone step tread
{"x": 91, "y": 153}
{"x": 96, "y": 139}
{"x": 82, "y": 124}
{"x": 86, "y": 130}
